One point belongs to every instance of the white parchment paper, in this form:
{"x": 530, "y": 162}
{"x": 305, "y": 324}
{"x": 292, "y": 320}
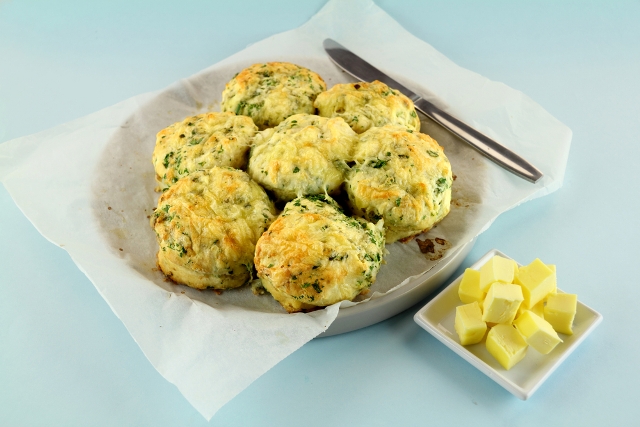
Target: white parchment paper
{"x": 98, "y": 171}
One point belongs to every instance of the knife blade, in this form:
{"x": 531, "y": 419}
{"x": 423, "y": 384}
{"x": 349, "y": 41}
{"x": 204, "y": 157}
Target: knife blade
{"x": 498, "y": 153}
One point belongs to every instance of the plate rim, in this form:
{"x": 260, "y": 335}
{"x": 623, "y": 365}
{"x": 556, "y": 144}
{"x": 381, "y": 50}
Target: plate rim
{"x": 446, "y": 266}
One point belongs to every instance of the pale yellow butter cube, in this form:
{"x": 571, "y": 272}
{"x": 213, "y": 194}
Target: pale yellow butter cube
{"x": 537, "y": 281}
{"x": 537, "y": 332}
{"x": 560, "y": 312}
{"x": 469, "y": 289}
{"x": 555, "y": 278}
{"x": 501, "y": 303}
{"x": 506, "y": 345}
{"x": 497, "y": 269}
{"x": 537, "y": 309}
{"x": 469, "y": 324}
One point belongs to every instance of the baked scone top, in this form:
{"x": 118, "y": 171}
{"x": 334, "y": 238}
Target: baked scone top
{"x": 202, "y": 142}
{"x": 305, "y": 154}
{"x": 402, "y": 177}
{"x": 364, "y": 105}
{"x": 313, "y": 255}
{"x": 207, "y": 225}
{"x": 271, "y": 92}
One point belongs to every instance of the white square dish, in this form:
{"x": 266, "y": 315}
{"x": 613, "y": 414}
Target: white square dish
{"x": 437, "y": 318}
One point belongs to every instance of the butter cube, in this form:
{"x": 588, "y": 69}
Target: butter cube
{"x": 560, "y": 312}
{"x": 537, "y": 281}
{"x": 506, "y": 345}
{"x": 469, "y": 324}
{"x": 501, "y": 303}
{"x": 537, "y": 332}
{"x": 497, "y": 269}
{"x": 469, "y": 289}
{"x": 555, "y": 279}
{"x": 536, "y": 309}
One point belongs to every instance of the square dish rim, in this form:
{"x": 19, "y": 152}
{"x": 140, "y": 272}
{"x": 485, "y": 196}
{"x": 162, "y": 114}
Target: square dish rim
{"x": 522, "y": 392}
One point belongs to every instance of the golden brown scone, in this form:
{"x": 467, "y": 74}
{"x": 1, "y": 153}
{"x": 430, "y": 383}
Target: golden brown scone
{"x": 202, "y": 142}
{"x": 364, "y": 105}
{"x": 271, "y": 92}
{"x": 402, "y": 177}
{"x": 207, "y": 225}
{"x": 314, "y": 255}
{"x": 304, "y": 154}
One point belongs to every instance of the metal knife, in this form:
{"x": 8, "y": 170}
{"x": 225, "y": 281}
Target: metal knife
{"x": 361, "y": 69}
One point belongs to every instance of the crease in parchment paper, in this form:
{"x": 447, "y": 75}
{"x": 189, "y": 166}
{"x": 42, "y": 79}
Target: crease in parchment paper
{"x": 98, "y": 170}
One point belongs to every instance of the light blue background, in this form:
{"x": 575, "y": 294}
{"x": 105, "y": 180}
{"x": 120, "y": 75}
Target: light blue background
{"x": 66, "y": 360}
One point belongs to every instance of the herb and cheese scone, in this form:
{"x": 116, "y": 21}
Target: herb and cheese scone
{"x": 304, "y": 154}
{"x": 314, "y": 255}
{"x": 207, "y": 225}
{"x": 365, "y": 105}
{"x": 402, "y": 177}
{"x": 202, "y": 142}
{"x": 271, "y": 92}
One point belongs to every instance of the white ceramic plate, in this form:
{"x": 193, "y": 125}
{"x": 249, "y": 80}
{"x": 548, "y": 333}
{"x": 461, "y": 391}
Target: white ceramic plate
{"x": 130, "y": 236}
{"x": 437, "y": 318}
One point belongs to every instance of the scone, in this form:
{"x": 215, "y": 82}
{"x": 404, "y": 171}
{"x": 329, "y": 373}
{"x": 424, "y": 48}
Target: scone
{"x": 271, "y": 92}
{"x": 202, "y": 142}
{"x": 207, "y": 225}
{"x": 402, "y": 177}
{"x": 314, "y": 255}
{"x": 304, "y": 154}
{"x": 365, "y": 105}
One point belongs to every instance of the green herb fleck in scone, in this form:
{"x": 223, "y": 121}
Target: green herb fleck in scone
{"x": 200, "y": 143}
{"x": 402, "y": 177}
{"x": 207, "y": 225}
{"x": 364, "y": 105}
{"x": 271, "y": 92}
{"x": 313, "y": 255}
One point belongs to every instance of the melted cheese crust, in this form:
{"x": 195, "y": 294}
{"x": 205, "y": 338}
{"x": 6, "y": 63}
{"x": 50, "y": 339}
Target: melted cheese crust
{"x": 207, "y": 225}
{"x": 365, "y": 105}
{"x": 304, "y": 154}
{"x": 314, "y": 255}
{"x": 401, "y": 177}
{"x": 202, "y": 142}
{"x": 271, "y": 92}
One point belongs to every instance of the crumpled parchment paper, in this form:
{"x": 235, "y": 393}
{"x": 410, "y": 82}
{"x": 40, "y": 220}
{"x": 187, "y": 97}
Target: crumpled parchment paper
{"x": 98, "y": 170}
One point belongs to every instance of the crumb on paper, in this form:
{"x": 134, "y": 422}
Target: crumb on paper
{"x": 407, "y": 239}
{"x": 426, "y": 246}
{"x": 257, "y": 288}
{"x": 459, "y": 203}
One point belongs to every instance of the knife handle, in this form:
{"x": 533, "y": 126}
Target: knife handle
{"x": 485, "y": 145}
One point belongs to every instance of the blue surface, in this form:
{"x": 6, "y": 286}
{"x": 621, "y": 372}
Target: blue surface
{"x": 66, "y": 360}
